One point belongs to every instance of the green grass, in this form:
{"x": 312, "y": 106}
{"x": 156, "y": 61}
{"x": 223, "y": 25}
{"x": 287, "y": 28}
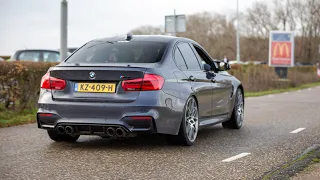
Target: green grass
{"x": 12, "y": 118}
{"x": 316, "y": 160}
{"x": 275, "y": 91}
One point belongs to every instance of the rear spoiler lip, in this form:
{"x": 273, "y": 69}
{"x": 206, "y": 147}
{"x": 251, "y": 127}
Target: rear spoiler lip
{"x": 129, "y": 65}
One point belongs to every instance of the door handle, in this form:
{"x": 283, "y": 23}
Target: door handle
{"x": 213, "y": 80}
{"x": 191, "y": 78}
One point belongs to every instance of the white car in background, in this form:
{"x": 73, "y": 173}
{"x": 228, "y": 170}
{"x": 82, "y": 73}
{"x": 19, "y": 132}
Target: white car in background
{"x": 36, "y": 55}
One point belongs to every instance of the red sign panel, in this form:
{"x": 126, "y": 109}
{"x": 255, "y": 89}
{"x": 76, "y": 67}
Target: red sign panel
{"x": 281, "y": 53}
{"x": 281, "y": 49}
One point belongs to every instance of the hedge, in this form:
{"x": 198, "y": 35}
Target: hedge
{"x": 262, "y": 77}
{"x": 20, "y": 81}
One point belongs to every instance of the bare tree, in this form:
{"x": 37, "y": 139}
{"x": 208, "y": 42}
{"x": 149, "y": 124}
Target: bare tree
{"x": 283, "y": 14}
{"x": 217, "y": 32}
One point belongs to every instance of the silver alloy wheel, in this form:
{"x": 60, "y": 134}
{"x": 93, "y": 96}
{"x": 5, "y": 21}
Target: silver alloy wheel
{"x": 240, "y": 109}
{"x": 191, "y": 120}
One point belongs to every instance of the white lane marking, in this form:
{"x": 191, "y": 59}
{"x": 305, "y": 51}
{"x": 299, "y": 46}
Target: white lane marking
{"x": 286, "y": 93}
{"x": 236, "y": 157}
{"x": 299, "y": 91}
{"x": 309, "y": 89}
{"x": 297, "y": 130}
{"x": 270, "y": 95}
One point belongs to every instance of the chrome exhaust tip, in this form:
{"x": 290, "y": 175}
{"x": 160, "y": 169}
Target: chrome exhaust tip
{"x": 61, "y": 130}
{"x": 69, "y": 130}
{"x": 111, "y": 131}
{"x": 120, "y": 132}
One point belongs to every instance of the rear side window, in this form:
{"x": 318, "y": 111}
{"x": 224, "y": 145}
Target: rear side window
{"x": 29, "y": 56}
{"x": 119, "y": 52}
{"x": 179, "y": 60}
{"x": 51, "y": 57}
{"x": 189, "y": 56}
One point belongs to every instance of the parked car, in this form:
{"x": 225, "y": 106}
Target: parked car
{"x": 123, "y": 86}
{"x": 36, "y": 55}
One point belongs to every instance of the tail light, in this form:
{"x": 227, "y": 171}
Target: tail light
{"x": 140, "y": 118}
{"x": 48, "y": 82}
{"x": 45, "y": 114}
{"x": 150, "y": 82}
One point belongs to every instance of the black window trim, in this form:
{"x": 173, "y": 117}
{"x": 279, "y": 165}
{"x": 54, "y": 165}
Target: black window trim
{"x": 204, "y": 51}
{"x": 174, "y": 58}
{"x": 199, "y": 63}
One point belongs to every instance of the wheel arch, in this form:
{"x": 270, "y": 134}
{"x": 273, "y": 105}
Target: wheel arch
{"x": 195, "y": 97}
{"x": 242, "y": 91}
{"x": 233, "y": 98}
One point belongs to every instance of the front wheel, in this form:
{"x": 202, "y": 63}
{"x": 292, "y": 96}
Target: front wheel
{"x": 54, "y": 135}
{"x": 237, "y": 116}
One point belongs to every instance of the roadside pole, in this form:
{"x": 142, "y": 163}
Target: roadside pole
{"x": 63, "y": 30}
{"x": 174, "y": 23}
{"x": 238, "y": 36}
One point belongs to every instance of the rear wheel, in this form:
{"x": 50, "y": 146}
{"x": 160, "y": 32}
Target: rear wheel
{"x": 189, "y": 126}
{"x": 237, "y": 116}
{"x": 54, "y": 135}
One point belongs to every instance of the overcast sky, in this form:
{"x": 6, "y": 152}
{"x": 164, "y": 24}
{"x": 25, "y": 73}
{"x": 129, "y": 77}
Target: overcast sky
{"x": 36, "y": 23}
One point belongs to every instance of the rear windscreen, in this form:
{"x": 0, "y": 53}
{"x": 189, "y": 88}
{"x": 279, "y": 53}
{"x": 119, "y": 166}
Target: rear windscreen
{"x": 119, "y": 52}
{"x": 39, "y": 56}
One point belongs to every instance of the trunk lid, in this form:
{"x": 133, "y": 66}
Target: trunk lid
{"x": 96, "y": 84}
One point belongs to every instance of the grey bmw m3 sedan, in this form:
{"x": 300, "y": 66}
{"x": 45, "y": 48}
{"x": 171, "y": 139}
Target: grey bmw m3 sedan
{"x": 131, "y": 84}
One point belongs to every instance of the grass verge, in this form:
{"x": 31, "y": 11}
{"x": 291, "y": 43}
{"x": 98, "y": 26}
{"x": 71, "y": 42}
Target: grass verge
{"x": 276, "y": 91}
{"x": 11, "y": 118}
{"x": 299, "y": 164}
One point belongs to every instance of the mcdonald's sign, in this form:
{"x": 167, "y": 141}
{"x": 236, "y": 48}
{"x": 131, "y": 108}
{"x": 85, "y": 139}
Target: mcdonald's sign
{"x": 281, "y": 49}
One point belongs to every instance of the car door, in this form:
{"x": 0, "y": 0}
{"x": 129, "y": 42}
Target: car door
{"x": 221, "y": 82}
{"x": 201, "y": 84}
{"x": 222, "y": 93}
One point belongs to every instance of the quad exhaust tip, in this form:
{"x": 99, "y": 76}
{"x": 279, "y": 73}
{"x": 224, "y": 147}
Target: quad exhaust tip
{"x": 61, "y": 130}
{"x": 120, "y": 132}
{"x": 69, "y": 130}
{"x": 111, "y": 131}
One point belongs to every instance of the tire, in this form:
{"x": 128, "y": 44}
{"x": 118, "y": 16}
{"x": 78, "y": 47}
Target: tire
{"x": 236, "y": 119}
{"x": 189, "y": 124}
{"x": 54, "y": 135}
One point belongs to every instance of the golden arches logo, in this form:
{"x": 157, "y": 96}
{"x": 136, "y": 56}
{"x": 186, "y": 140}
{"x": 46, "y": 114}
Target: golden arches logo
{"x": 281, "y": 47}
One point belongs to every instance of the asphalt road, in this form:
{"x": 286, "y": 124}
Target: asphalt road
{"x": 27, "y": 153}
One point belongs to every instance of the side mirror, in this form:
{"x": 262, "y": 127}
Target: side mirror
{"x": 207, "y": 67}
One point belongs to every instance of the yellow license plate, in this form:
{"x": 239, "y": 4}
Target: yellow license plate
{"x": 95, "y": 87}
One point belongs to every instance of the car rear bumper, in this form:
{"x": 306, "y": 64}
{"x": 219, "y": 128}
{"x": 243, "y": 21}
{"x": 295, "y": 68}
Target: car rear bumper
{"x": 160, "y": 113}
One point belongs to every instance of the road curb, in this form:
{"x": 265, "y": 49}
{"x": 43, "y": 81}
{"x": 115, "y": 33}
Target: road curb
{"x": 291, "y": 168}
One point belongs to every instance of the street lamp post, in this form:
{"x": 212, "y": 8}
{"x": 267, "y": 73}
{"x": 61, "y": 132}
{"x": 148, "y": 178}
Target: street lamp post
{"x": 63, "y": 30}
{"x": 238, "y": 38}
{"x": 174, "y": 22}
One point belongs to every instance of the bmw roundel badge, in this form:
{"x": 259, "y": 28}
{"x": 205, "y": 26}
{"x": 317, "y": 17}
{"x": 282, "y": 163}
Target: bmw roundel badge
{"x": 92, "y": 75}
